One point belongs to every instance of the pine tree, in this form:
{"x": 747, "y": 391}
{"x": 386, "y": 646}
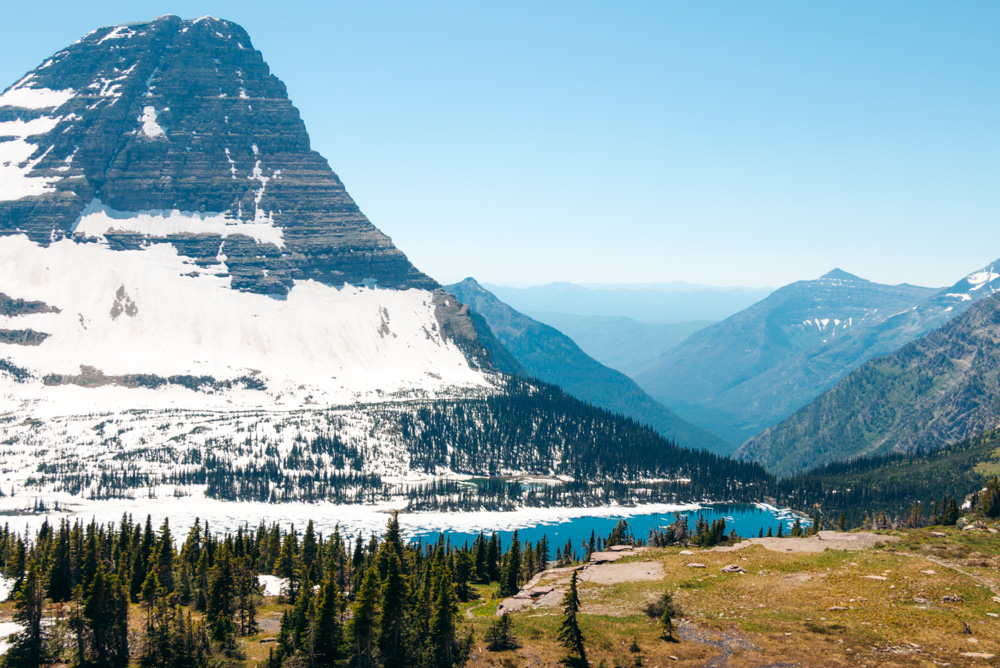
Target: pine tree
{"x": 301, "y": 619}
{"x": 148, "y": 595}
{"x": 542, "y": 550}
{"x": 493, "y": 559}
{"x": 287, "y": 566}
{"x": 443, "y": 631}
{"x": 164, "y": 558}
{"x": 510, "y": 578}
{"x": 220, "y": 605}
{"x": 60, "y": 573}
{"x": 247, "y": 591}
{"x": 500, "y": 636}
{"x": 106, "y": 615}
{"x": 329, "y": 632}
{"x": 27, "y": 647}
{"x": 569, "y": 632}
{"x": 667, "y": 618}
{"x": 391, "y": 623}
{"x": 140, "y": 561}
{"x": 310, "y": 549}
{"x": 464, "y": 573}
{"x": 363, "y": 624}
{"x": 481, "y": 549}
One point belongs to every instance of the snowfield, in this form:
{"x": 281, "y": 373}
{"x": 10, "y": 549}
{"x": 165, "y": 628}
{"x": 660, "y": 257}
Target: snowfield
{"x": 152, "y": 312}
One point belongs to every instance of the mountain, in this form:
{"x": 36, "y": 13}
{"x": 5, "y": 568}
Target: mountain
{"x": 191, "y": 304}
{"x": 160, "y": 198}
{"x": 754, "y": 368}
{"x": 655, "y": 302}
{"x": 549, "y": 355}
{"x": 939, "y": 389}
{"x": 623, "y": 344}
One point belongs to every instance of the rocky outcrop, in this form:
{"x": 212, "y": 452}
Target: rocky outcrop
{"x": 184, "y": 116}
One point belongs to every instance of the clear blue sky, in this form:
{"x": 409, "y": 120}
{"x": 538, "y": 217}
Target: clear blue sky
{"x": 728, "y": 143}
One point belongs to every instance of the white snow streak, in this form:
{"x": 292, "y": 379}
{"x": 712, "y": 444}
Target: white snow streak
{"x": 36, "y": 98}
{"x": 97, "y": 220}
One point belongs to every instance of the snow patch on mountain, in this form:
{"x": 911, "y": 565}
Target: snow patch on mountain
{"x": 15, "y": 158}
{"x": 981, "y": 278}
{"x": 35, "y": 98}
{"x": 150, "y": 128}
{"x": 152, "y": 312}
{"x": 98, "y": 220}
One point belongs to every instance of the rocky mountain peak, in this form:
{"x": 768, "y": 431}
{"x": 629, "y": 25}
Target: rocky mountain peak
{"x": 840, "y": 274}
{"x": 175, "y": 131}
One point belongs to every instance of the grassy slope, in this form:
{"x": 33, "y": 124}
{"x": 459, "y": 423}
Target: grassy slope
{"x": 779, "y": 611}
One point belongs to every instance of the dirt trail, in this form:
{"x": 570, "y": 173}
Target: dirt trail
{"x": 824, "y": 540}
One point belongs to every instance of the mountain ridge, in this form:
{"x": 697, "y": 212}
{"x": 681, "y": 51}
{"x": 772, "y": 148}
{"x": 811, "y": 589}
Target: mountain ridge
{"x": 549, "y": 355}
{"x": 936, "y": 390}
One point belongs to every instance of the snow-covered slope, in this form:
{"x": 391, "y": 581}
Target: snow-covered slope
{"x": 151, "y": 312}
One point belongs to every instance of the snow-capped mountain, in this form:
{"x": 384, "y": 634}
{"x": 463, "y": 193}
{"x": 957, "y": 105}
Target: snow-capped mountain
{"x": 159, "y": 196}
{"x": 759, "y": 365}
{"x": 756, "y": 368}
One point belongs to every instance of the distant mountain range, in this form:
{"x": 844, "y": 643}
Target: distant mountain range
{"x": 752, "y": 370}
{"x": 549, "y": 355}
{"x": 655, "y": 303}
{"x": 939, "y": 389}
{"x": 624, "y": 344}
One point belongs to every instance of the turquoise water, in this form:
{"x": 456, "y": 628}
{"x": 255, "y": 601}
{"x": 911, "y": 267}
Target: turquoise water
{"x": 746, "y": 519}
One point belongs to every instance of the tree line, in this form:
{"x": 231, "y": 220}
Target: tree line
{"x": 102, "y": 595}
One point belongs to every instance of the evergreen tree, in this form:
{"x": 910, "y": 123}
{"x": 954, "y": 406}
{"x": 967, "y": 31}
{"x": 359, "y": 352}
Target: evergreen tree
{"x": 164, "y": 558}
{"x": 391, "y": 623}
{"x": 493, "y": 559}
{"x": 59, "y": 578}
{"x": 27, "y": 647}
{"x": 443, "y": 633}
{"x": 510, "y": 578}
{"x": 220, "y": 605}
{"x": 363, "y": 623}
{"x": 667, "y": 617}
{"x": 329, "y": 632}
{"x": 500, "y": 636}
{"x": 569, "y": 632}
{"x": 310, "y": 549}
{"x": 149, "y": 594}
{"x": 106, "y": 615}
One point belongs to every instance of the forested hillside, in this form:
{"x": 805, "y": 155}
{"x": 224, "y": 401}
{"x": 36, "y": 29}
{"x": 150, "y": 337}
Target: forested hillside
{"x": 547, "y": 354}
{"x": 894, "y": 483}
{"x": 940, "y": 389}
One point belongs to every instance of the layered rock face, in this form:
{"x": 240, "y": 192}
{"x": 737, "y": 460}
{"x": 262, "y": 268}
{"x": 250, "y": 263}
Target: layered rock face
{"x": 169, "y": 240}
{"x": 175, "y": 131}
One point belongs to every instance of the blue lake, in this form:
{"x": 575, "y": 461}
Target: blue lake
{"x": 747, "y": 520}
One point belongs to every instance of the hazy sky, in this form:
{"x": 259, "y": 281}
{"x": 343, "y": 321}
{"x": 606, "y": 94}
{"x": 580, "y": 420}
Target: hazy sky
{"x": 745, "y": 143}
